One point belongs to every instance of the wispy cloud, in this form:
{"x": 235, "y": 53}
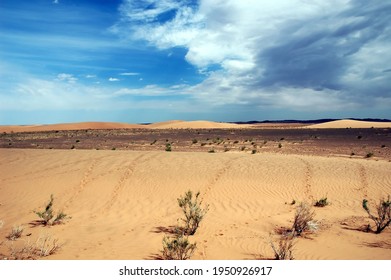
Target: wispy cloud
{"x": 111, "y": 79}
{"x": 129, "y": 74}
{"x": 67, "y": 78}
{"x": 56, "y": 2}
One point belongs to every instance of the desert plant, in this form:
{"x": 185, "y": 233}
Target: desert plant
{"x": 211, "y": 151}
{"x": 193, "y": 212}
{"x": 321, "y": 202}
{"x": 177, "y": 247}
{"x": 284, "y": 251}
{"x": 303, "y": 220}
{"x": 15, "y": 233}
{"x": 47, "y": 216}
{"x": 368, "y": 155}
{"x": 194, "y": 141}
{"x": 44, "y": 246}
{"x": 383, "y": 218}
{"x": 168, "y": 147}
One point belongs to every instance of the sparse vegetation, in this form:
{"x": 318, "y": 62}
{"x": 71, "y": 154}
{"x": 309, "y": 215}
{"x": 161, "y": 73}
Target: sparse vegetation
{"x": 43, "y": 247}
{"x": 211, "y": 151}
{"x": 194, "y": 141}
{"x": 177, "y": 248}
{"x": 321, "y": 202}
{"x": 253, "y": 151}
{"x": 383, "y": 218}
{"x": 16, "y": 233}
{"x": 303, "y": 220}
{"x": 153, "y": 142}
{"x": 284, "y": 251}
{"x": 279, "y": 145}
{"x": 47, "y": 216}
{"x": 192, "y": 210}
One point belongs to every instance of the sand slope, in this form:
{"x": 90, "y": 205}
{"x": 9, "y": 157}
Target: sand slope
{"x": 123, "y": 202}
{"x": 194, "y": 125}
{"x": 351, "y": 124}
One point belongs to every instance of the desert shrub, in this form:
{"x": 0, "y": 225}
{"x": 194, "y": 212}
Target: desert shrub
{"x": 321, "y": 202}
{"x": 211, "y": 151}
{"x": 194, "y": 141}
{"x": 368, "y": 155}
{"x": 303, "y": 220}
{"x": 284, "y": 251}
{"x": 168, "y": 147}
{"x": 47, "y": 216}
{"x": 44, "y": 246}
{"x": 253, "y": 151}
{"x": 15, "y": 233}
{"x": 383, "y": 218}
{"x": 279, "y": 145}
{"x": 177, "y": 248}
{"x": 193, "y": 211}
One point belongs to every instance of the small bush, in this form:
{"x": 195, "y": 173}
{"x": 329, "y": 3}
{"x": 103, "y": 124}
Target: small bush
{"x": 284, "y": 251}
{"x": 303, "y": 220}
{"x": 368, "y": 155}
{"x": 168, "y": 147}
{"x": 211, "y": 151}
{"x": 383, "y": 218}
{"x": 321, "y": 202}
{"x": 43, "y": 247}
{"x": 47, "y": 216}
{"x": 253, "y": 152}
{"x": 177, "y": 248}
{"x": 194, "y": 141}
{"x": 193, "y": 212}
{"x": 279, "y": 145}
{"x": 16, "y": 233}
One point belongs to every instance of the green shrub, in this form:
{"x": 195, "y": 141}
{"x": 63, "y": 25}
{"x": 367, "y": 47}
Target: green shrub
{"x": 321, "y": 202}
{"x": 168, "y": 147}
{"x": 193, "y": 212}
{"x": 177, "y": 248}
{"x": 383, "y": 218}
{"x": 47, "y": 216}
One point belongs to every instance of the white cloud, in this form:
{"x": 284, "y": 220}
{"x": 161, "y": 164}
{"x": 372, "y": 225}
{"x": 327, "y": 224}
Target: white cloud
{"x": 293, "y": 53}
{"x": 111, "y": 79}
{"x": 67, "y": 78}
{"x": 56, "y": 1}
{"x": 90, "y": 76}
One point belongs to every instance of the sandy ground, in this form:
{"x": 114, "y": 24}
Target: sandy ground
{"x": 122, "y": 203}
{"x": 351, "y": 124}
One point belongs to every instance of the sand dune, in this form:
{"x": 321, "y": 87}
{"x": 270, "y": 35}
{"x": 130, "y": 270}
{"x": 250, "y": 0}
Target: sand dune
{"x": 194, "y": 125}
{"x": 122, "y": 202}
{"x": 351, "y": 124}
{"x": 67, "y": 126}
{"x": 174, "y": 124}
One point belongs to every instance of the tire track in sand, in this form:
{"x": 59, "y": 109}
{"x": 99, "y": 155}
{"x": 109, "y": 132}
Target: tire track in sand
{"x": 83, "y": 183}
{"x": 308, "y": 175}
{"x": 118, "y": 188}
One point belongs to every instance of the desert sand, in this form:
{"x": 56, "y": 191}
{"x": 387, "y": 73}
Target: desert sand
{"x": 123, "y": 202}
{"x": 351, "y": 124}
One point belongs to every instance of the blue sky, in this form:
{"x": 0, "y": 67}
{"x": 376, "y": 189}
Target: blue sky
{"x": 148, "y": 60}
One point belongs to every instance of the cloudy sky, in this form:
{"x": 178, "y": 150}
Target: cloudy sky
{"x": 153, "y": 60}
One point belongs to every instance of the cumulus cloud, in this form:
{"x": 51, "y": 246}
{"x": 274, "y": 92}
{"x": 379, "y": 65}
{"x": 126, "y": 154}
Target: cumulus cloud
{"x": 111, "y": 79}
{"x": 275, "y": 53}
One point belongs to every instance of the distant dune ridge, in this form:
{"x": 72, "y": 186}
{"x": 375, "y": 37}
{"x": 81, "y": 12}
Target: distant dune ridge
{"x": 351, "y": 124}
{"x": 174, "y": 124}
{"x": 122, "y": 203}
